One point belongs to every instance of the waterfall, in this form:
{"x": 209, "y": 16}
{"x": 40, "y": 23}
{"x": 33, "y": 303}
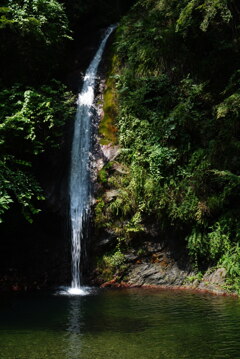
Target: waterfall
{"x": 79, "y": 184}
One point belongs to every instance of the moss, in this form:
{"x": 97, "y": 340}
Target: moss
{"x": 107, "y": 128}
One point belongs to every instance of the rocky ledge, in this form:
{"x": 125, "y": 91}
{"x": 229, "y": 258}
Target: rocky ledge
{"x": 160, "y": 269}
{"x": 154, "y": 276}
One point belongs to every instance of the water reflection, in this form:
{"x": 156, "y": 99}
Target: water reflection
{"x": 120, "y": 324}
{"x": 73, "y": 336}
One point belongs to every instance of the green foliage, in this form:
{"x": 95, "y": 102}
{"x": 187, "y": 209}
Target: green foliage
{"x": 178, "y": 126}
{"x": 209, "y": 10}
{"x": 115, "y": 260}
{"x": 33, "y": 38}
{"x": 231, "y": 262}
{"x": 18, "y": 185}
{"x": 111, "y": 265}
{"x": 210, "y": 245}
{"x": 197, "y": 277}
{"x": 34, "y": 41}
{"x": 43, "y": 19}
{"x": 33, "y": 109}
{"x": 102, "y": 175}
{"x": 33, "y": 120}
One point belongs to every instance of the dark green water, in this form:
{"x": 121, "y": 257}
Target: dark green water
{"x": 120, "y": 324}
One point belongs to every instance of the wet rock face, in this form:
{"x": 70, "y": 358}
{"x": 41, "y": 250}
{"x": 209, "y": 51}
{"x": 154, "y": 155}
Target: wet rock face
{"x": 160, "y": 267}
{"x": 156, "y": 274}
{"x": 110, "y": 152}
{"x": 214, "y": 280}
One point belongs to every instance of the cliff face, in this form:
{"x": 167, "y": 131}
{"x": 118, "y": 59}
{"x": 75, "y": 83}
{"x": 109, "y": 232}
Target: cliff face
{"x": 150, "y": 257}
{"x": 173, "y": 177}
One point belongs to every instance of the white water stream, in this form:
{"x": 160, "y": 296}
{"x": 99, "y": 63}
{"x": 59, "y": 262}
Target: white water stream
{"x": 79, "y": 184}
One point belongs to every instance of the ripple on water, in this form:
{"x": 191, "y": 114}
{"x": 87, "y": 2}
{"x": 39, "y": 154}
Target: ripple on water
{"x": 119, "y": 324}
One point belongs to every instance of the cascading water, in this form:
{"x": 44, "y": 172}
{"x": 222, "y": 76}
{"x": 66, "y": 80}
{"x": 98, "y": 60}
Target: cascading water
{"x": 79, "y": 185}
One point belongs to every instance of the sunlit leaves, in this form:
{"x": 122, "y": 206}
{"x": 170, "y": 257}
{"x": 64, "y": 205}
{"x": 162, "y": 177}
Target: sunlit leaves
{"x": 32, "y": 122}
{"x": 44, "y": 19}
{"x": 18, "y": 185}
{"x": 36, "y": 116}
{"x": 208, "y": 9}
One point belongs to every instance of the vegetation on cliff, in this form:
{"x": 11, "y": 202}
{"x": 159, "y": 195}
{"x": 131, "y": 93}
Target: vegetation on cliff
{"x": 178, "y": 128}
{"x": 35, "y": 45}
